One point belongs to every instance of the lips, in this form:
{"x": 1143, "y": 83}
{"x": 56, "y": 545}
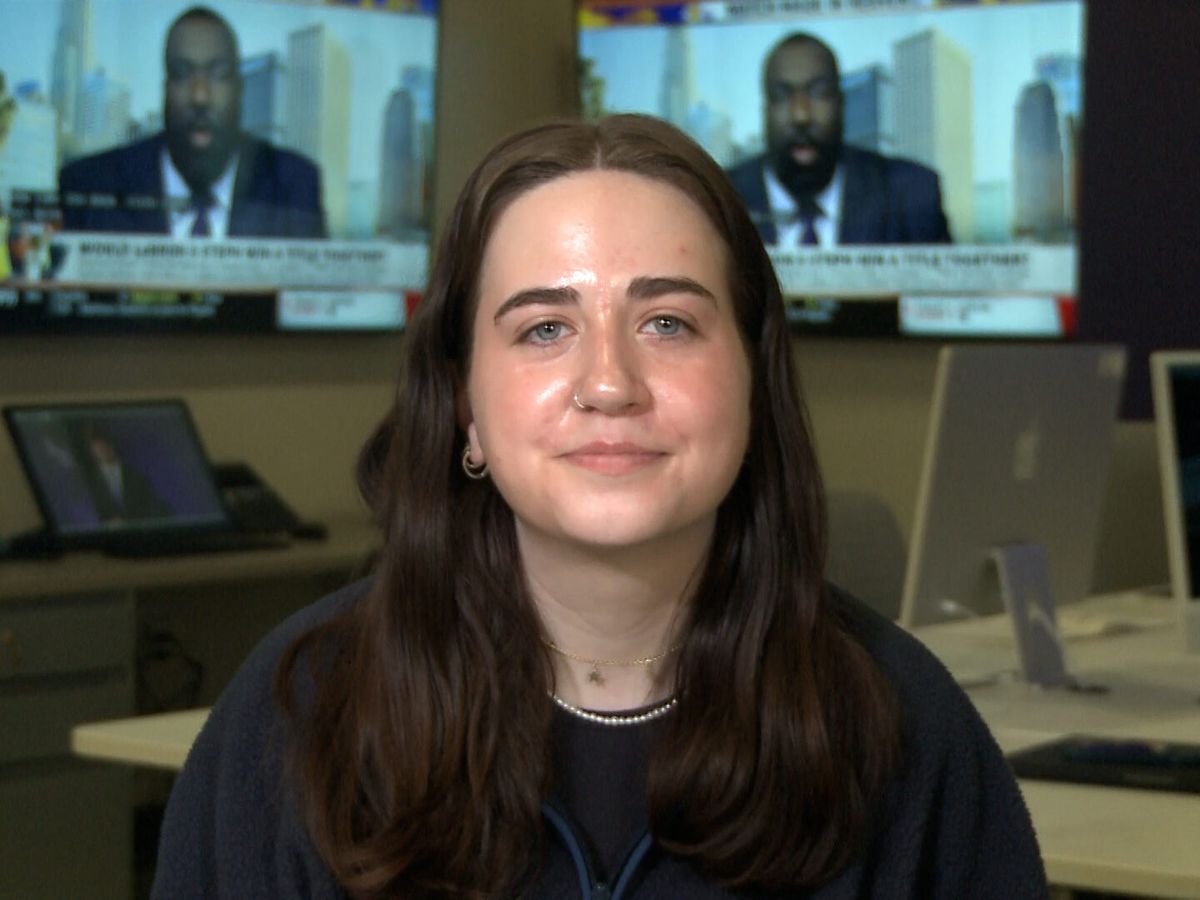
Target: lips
{"x": 200, "y": 133}
{"x": 805, "y": 154}
{"x": 613, "y": 458}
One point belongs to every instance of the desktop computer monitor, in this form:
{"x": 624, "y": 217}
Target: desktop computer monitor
{"x": 1176, "y": 380}
{"x": 1020, "y": 440}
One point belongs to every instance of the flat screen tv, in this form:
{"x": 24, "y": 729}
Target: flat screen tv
{"x": 912, "y": 165}
{"x": 238, "y": 165}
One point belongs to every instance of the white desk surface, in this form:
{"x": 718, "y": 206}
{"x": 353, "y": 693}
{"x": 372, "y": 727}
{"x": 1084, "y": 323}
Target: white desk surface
{"x": 1100, "y": 838}
{"x": 1109, "y": 839}
{"x": 160, "y": 741}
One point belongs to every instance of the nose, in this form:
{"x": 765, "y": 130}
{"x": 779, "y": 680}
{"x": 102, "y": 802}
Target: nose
{"x": 611, "y": 379}
{"x": 199, "y": 89}
{"x": 799, "y": 108}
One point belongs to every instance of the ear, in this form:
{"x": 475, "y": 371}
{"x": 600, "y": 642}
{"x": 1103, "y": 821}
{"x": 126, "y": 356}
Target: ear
{"x": 476, "y": 455}
{"x": 466, "y": 421}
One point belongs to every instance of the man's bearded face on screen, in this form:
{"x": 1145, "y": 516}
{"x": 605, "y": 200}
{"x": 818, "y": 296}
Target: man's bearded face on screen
{"x": 803, "y": 116}
{"x": 202, "y": 99}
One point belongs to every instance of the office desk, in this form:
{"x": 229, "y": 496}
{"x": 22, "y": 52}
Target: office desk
{"x": 1108, "y": 839}
{"x": 160, "y": 741}
{"x": 347, "y": 545}
{"x": 71, "y": 634}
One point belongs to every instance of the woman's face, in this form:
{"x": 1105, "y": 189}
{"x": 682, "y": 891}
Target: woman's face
{"x": 609, "y": 390}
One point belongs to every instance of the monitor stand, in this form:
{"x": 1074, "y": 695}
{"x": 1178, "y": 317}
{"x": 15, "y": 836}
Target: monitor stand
{"x": 1025, "y": 587}
{"x": 1189, "y": 613}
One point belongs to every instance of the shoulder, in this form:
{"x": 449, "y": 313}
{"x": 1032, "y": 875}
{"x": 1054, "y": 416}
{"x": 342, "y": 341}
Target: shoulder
{"x": 895, "y": 169}
{"x": 955, "y": 815}
{"x": 248, "y": 699}
{"x": 747, "y": 172}
{"x": 268, "y": 157}
{"x": 925, "y": 690}
{"x": 230, "y": 822}
{"x": 112, "y": 165}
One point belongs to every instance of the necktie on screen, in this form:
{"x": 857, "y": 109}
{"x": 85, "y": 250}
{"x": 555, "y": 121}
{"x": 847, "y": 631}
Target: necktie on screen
{"x": 810, "y": 210}
{"x": 201, "y": 204}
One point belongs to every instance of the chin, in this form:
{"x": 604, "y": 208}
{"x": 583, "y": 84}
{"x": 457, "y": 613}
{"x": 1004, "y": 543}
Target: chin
{"x": 810, "y": 179}
{"x": 201, "y": 168}
{"x": 625, "y": 528}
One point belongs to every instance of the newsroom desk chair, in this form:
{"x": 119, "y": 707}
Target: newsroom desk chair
{"x": 867, "y": 552}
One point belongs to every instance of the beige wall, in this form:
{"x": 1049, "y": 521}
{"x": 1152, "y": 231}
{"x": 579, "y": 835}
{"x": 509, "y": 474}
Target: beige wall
{"x": 297, "y": 407}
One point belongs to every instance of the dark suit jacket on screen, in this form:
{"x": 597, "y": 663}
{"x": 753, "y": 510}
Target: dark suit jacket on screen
{"x": 139, "y": 499}
{"x": 276, "y": 193}
{"x": 884, "y": 200}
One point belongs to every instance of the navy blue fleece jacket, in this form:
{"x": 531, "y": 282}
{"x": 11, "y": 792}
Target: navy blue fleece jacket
{"x": 954, "y": 827}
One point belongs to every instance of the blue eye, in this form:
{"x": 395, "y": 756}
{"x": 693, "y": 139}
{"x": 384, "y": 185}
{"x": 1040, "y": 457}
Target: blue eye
{"x": 666, "y": 326}
{"x": 544, "y": 332}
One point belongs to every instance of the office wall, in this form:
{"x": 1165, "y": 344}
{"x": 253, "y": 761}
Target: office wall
{"x": 298, "y": 407}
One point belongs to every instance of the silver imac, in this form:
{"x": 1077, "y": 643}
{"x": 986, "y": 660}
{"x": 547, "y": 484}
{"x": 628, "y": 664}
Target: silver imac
{"x": 1175, "y": 376}
{"x": 1019, "y": 444}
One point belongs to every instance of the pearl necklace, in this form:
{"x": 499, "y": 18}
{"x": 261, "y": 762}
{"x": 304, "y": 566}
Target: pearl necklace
{"x": 655, "y": 712}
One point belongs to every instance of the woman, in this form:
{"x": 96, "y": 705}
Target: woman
{"x": 597, "y": 658}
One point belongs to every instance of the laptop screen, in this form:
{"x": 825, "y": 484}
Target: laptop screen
{"x": 98, "y": 470}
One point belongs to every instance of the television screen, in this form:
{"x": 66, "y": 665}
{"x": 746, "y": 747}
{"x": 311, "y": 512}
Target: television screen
{"x": 912, "y": 165}
{"x": 246, "y": 165}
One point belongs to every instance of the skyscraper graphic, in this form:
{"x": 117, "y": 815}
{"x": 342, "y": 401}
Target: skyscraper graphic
{"x": 868, "y": 109}
{"x": 713, "y": 129}
{"x": 1062, "y": 72}
{"x": 400, "y": 171}
{"x": 318, "y": 113}
{"x": 74, "y": 59}
{"x": 418, "y": 81}
{"x": 264, "y": 84}
{"x": 933, "y": 119}
{"x": 677, "y": 90}
{"x": 104, "y": 113}
{"x": 27, "y": 157}
{"x": 1038, "y": 210}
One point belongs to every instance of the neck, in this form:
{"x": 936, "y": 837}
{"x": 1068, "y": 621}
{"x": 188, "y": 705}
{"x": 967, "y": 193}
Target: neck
{"x": 613, "y": 604}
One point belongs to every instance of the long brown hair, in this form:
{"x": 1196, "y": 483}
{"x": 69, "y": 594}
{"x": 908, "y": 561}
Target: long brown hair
{"x": 421, "y": 722}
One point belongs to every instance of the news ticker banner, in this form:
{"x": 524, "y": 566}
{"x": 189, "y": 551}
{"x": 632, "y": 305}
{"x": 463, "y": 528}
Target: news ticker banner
{"x": 610, "y": 13}
{"x": 236, "y": 263}
{"x": 871, "y": 271}
{"x": 239, "y": 284}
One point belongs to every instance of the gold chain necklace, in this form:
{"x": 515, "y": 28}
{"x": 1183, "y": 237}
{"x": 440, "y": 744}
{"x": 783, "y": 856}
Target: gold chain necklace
{"x": 594, "y": 675}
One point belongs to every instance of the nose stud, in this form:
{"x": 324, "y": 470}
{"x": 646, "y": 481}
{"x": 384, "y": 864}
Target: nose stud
{"x": 579, "y": 404}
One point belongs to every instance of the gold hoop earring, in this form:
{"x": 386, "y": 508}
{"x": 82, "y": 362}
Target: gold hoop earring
{"x": 474, "y": 472}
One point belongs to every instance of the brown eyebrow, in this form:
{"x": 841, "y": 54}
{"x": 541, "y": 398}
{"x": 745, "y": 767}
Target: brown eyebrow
{"x": 559, "y": 296}
{"x": 641, "y": 288}
{"x": 648, "y": 287}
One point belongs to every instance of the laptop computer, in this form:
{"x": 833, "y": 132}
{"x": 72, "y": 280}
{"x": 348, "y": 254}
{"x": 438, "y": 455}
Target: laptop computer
{"x": 129, "y": 479}
{"x": 1175, "y": 377}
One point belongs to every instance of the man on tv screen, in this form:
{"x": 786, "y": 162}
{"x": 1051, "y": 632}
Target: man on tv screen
{"x": 810, "y": 188}
{"x": 202, "y": 176}
{"x": 120, "y": 491}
